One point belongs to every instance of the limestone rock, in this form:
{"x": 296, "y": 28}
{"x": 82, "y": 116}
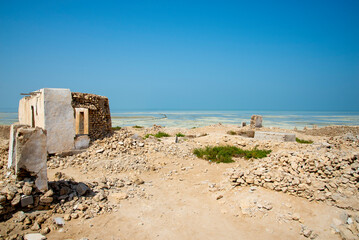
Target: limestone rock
{"x": 34, "y": 236}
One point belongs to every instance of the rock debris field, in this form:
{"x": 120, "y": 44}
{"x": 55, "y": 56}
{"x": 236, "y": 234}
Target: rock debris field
{"x": 133, "y": 185}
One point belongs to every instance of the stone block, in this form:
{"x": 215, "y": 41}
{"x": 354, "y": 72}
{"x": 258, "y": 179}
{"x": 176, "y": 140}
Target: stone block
{"x": 275, "y": 136}
{"x": 31, "y": 156}
{"x": 34, "y": 236}
{"x": 26, "y": 200}
{"x": 82, "y": 142}
{"x": 256, "y": 121}
{"x": 12, "y": 144}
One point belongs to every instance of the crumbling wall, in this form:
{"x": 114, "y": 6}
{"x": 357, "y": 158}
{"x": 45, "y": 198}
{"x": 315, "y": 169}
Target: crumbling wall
{"x": 51, "y": 110}
{"x": 99, "y": 122}
{"x": 28, "y": 155}
{"x": 31, "y": 110}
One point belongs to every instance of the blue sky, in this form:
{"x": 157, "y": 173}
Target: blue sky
{"x": 185, "y": 55}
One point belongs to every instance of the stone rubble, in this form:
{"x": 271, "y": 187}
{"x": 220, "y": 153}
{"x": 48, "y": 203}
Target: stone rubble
{"x": 65, "y": 197}
{"x": 327, "y": 174}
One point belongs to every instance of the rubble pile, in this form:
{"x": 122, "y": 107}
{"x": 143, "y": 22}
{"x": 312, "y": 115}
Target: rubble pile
{"x": 121, "y": 141}
{"x": 346, "y": 226}
{"x": 15, "y": 195}
{"x": 333, "y": 131}
{"x": 4, "y": 152}
{"x": 66, "y": 198}
{"x": 318, "y": 173}
{"x": 122, "y": 144}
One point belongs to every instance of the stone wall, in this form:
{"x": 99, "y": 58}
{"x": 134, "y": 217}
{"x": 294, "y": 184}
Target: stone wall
{"x": 99, "y": 116}
{"x": 51, "y": 110}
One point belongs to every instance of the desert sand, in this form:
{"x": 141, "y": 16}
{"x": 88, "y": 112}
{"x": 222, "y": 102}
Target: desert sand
{"x": 149, "y": 188}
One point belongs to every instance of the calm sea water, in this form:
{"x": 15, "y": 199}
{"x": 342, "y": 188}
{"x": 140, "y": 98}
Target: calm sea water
{"x": 189, "y": 119}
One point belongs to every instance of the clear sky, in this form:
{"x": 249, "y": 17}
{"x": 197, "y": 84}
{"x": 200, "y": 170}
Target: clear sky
{"x": 185, "y": 55}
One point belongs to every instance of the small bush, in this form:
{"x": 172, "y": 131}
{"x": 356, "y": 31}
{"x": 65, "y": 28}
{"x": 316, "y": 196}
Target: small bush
{"x": 147, "y": 135}
{"x": 136, "y": 126}
{"x": 232, "y": 132}
{"x": 158, "y": 135}
{"x": 161, "y": 134}
{"x": 116, "y": 128}
{"x": 180, "y": 135}
{"x": 303, "y": 141}
{"x": 225, "y": 153}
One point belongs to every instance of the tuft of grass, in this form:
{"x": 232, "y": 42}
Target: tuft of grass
{"x": 116, "y": 128}
{"x": 224, "y": 154}
{"x": 180, "y": 135}
{"x": 161, "y": 134}
{"x": 303, "y": 141}
{"x": 231, "y": 132}
{"x": 136, "y": 126}
{"x": 147, "y": 135}
{"x": 158, "y": 135}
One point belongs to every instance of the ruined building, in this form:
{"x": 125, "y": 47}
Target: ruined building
{"x": 93, "y": 115}
{"x": 54, "y": 120}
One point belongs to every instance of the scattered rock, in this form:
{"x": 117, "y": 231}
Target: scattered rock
{"x": 34, "y": 236}
{"x": 81, "y": 189}
{"x": 59, "y": 221}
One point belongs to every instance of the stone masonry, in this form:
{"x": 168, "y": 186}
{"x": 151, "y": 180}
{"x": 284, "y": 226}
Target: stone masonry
{"x": 99, "y": 116}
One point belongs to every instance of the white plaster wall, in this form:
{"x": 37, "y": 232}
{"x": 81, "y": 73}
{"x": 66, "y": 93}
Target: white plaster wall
{"x": 25, "y": 112}
{"x": 59, "y": 119}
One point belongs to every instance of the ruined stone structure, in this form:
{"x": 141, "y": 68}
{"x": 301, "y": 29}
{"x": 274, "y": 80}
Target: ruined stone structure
{"x": 65, "y": 115}
{"x": 256, "y": 121}
{"x": 51, "y": 110}
{"x": 53, "y": 120}
{"x": 93, "y": 115}
{"x": 275, "y": 136}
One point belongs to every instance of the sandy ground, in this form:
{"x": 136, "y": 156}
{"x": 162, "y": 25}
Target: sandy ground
{"x": 190, "y": 198}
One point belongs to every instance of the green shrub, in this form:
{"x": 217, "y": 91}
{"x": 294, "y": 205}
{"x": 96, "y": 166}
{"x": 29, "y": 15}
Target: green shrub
{"x": 158, "y": 135}
{"x": 225, "y": 153}
{"x": 136, "y": 126}
{"x": 161, "y": 134}
{"x": 147, "y": 135}
{"x": 116, "y": 128}
{"x": 180, "y": 135}
{"x": 304, "y": 141}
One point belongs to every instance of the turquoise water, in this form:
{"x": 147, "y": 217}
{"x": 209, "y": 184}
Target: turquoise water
{"x": 189, "y": 119}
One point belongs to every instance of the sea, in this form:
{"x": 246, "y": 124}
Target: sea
{"x": 190, "y": 119}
